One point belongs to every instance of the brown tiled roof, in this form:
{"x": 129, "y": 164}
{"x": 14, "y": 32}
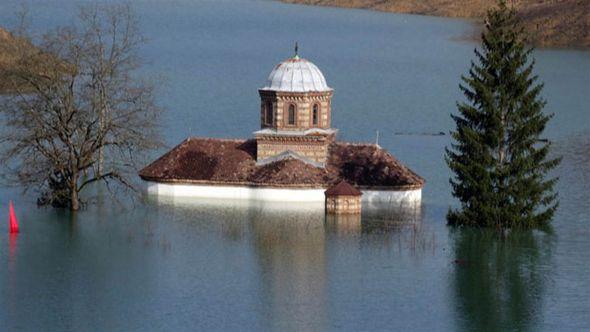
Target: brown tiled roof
{"x": 221, "y": 161}
{"x": 343, "y": 188}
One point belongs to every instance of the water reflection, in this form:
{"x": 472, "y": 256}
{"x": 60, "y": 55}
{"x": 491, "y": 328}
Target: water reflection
{"x": 391, "y": 219}
{"x": 289, "y": 246}
{"x": 344, "y": 225}
{"x": 499, "y": 283}
{"x": 12, "y": 238}
{"x": 287, "y": 243}
{"x": 290, "y": 249}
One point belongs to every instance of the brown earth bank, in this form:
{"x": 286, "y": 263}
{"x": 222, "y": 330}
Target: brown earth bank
{"x": 19, "y": 58}
{"x": 550, "y": 23}
{"x": 13, "y": 50}
{"x": 8, "y": 57}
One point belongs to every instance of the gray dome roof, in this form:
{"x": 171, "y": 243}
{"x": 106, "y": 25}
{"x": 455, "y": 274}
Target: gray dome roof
{"x": 296, "y": 75}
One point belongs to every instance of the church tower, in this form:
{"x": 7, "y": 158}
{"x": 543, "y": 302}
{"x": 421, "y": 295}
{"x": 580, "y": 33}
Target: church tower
{"x": 295, "y": 114}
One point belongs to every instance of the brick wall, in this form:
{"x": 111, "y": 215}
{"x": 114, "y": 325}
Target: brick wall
{"x": 303, "y": 103}
{"x": 314, "y": 150}
{"x": 343, "y": 204}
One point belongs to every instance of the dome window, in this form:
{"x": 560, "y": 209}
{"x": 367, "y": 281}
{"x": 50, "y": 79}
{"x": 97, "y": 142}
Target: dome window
{"x": 291, "y": 115}
{"x": 315, "y": 114}
{"x": 268, "y": 117}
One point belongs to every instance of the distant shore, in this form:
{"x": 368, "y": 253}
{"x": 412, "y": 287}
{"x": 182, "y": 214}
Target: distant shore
{"x": 11, "y": 51}
{"x": 8, "y": 58}
{"x": 558, "y": 23}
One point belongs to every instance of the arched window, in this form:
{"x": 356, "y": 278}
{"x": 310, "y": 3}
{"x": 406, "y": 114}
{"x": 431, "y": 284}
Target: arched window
{"x": 315, "y": 114}
{"x": 268, "y": 118}
{"x": 291, "y": 115}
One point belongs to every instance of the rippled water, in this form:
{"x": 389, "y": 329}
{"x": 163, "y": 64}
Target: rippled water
{"x": 164, "y": 264}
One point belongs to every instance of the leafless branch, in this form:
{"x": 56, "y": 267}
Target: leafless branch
{"x": 77, "y": 108}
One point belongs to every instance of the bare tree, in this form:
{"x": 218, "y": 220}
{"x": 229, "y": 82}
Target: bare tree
{"x": 78, "y": 112}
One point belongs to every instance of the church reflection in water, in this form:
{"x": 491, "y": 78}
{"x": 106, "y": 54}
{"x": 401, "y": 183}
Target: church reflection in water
{"x": 291, "y": 252}
{"x": 290, "y": 248}
{"x": 343, "y": 225}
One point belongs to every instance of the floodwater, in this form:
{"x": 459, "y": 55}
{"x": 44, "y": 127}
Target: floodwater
{"x": 182, "y": 265}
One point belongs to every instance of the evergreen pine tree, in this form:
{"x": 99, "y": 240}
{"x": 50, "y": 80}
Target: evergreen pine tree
{"x": 499, "y": 160}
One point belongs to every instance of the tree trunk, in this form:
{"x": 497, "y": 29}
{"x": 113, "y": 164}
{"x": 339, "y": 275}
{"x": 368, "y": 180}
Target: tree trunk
{"x": 74, "y": 200}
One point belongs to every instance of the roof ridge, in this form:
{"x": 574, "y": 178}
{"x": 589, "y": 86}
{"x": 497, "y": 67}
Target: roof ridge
{"x": 359, "y": 144}
{"x": 343, "y": 188}
{"x": 203, "y": 138}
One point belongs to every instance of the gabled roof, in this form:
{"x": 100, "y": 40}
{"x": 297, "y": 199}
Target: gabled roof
{"x": 233, "y": 162}
{"x": 343, "y": 188}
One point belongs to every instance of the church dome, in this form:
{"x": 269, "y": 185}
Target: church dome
{"x": 296, "y": 75}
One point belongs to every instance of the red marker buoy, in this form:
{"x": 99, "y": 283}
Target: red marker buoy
{"x": 13, "y": 222}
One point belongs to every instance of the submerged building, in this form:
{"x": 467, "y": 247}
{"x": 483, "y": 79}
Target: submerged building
{"x": 293, "y": 157}
{"x": 343, "y": 198}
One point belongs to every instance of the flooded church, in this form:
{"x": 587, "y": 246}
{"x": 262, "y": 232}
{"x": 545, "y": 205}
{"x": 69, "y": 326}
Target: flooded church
{"x": 293, "y": 157}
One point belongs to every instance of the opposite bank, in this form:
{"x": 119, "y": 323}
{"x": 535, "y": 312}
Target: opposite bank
{"x": 558, "y": 23}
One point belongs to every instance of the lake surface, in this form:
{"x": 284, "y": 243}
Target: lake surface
{"x": 177, "y": 265}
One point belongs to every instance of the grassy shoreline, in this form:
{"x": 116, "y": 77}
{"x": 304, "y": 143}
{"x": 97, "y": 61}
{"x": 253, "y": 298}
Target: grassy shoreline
{"x": 555, "y": 23}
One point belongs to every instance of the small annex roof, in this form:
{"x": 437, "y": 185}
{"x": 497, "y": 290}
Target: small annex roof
{"x": 343, "y": 188}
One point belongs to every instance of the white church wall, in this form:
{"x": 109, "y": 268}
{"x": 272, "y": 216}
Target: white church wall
{"x": 370, "y": 198}
{"x": 377, "y": 199}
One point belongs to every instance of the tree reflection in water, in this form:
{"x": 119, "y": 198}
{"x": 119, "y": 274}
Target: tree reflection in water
{"x": 499, "y": 281}
{"x": 290, "y": 249}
